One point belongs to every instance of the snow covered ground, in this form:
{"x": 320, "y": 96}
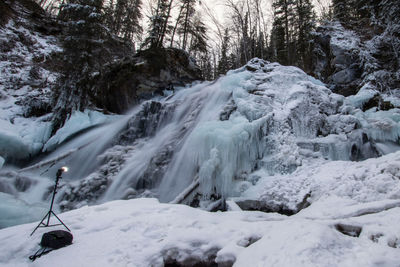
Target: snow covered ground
{"x": 143, "y": 232}
{"x": 352, "y": 221}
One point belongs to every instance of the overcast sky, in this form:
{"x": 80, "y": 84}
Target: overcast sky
{"x": 216, "y": 11}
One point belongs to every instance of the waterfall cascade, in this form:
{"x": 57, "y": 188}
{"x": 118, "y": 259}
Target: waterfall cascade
{"x": 219, "y": 139}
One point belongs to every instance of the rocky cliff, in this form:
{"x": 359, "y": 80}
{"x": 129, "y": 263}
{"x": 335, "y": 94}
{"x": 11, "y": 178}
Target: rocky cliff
{"x": 124, "y": 83}
{"x": 359, "y": 59}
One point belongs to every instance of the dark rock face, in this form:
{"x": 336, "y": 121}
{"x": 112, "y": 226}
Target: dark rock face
{"x": 35, "y": 105}
{"x": 125, "y": 83}
{"x": 86, "y": 191}
{"x": 272, "y": 206}
{"x": 348, "y": 58}
{"x": 6, "y": 12}
{"x": 338, "y": 66}
{"x": 377, "y": 102}
{"x": 172, "y": 258}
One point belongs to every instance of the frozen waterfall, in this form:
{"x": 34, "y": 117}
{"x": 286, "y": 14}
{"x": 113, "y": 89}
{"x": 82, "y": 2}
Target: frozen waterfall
{"x": 262, "y": 119}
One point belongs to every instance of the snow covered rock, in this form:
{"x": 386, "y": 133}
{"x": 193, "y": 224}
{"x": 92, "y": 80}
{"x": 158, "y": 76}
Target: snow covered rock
{"x": 330, "y": 189}
{"x": 336, "y": 58}
{"x": 349, "y": 58}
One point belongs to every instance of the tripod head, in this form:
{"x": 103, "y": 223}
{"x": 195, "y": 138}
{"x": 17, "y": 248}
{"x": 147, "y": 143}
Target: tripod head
{"x": 60, "y": 172}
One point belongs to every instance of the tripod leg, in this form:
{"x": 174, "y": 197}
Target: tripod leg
{"x": 60, "y": 220}
{"x": 41, "y": 222}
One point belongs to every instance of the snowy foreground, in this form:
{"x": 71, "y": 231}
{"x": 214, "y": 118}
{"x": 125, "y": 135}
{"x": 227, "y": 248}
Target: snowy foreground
{"x": 352, "y": 221}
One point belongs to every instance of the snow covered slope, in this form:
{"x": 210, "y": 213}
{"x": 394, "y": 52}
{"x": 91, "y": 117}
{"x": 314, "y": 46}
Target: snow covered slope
{"x": 27, "y": 71}
{"x": 143, "y": 232}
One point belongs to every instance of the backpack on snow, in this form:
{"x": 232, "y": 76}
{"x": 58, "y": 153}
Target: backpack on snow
{"x": 51, "y": 241}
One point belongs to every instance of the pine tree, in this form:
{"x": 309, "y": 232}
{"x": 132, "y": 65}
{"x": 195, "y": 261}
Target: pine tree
{"x": 159, "y": 24}
{"x": 305, "y": 25}
{"x": 123, "y": 18}
{"x": 278, "y": 42}
{"x": 198, "y": 40}
{"x": 260, "y": 46}
{"x": 131, "y": 22}
{"x": 342, "y": 10}
{"x": 177, "y": 23}
{"x": 82, "y": 45}
{"x": 283, "y": 19}
{"x": 185, "y": 27}
{"x": 223, "y": 63}
{"x": 206, "y": 66}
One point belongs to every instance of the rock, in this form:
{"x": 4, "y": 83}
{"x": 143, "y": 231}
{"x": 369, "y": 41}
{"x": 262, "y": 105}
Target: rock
{"x": 265, "y": 206}
{"x": 30, "y": 15}
{"x": 377, "y": 102}
{"x": 344, "y": 76}
{"x": 350, "y": 230}
{"x": 86, "y": 192}
{"x": 125, "y": 83}
{"x": 227, "y": 111}
{"x": 250, "y": 68}
{"x": 173, "y": 257}
{"x": 35, "y": 106}
{"x": 336, "y": 62}
{"x": 6, "y": 12}
{"x": 347, "y": 59}
{"x": 145, "y": 123}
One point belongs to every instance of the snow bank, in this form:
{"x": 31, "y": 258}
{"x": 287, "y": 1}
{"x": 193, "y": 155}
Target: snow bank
{"x": 143, "y": 232}
{"x": 333, "y": 188}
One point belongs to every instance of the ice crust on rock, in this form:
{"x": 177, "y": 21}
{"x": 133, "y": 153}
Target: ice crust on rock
{"x": 77, "y": 122}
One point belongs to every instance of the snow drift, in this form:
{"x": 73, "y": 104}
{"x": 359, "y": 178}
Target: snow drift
{"x": 143, "y": 232}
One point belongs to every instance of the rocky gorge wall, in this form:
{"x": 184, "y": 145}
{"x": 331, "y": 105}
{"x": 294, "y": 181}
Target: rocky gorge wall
{"x": 352, "y": 59}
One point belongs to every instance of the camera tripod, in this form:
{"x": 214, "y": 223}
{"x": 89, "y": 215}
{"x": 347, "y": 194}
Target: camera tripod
{"x": 50, "y": 212}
